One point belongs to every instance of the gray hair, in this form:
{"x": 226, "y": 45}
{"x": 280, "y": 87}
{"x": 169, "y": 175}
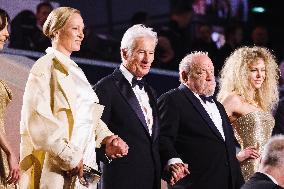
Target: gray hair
{"x": 273, "y": 154}
{"x": 136, "y": 31}
{"x": 188, "y": 60}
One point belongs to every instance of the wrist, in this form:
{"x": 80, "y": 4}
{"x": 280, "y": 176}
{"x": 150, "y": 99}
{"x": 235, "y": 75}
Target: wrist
{"x": 103, "y": 146}
{"x": 108, "y": 158}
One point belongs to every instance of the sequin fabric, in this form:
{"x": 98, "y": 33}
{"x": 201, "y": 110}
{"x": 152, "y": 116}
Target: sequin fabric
{"x": 5, "y": 98}
{"x": 253, "y": 129}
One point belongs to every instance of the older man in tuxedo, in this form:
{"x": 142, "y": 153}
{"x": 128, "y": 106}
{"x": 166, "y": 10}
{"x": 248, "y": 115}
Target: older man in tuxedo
{"x": 195, "y": 130}
{"x": 271, "y": 170}
{"x": 130, "y": 111}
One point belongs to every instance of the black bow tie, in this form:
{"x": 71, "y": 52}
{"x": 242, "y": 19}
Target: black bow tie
{"x": 135, "y": 82}
{"x": 206, "y": 98}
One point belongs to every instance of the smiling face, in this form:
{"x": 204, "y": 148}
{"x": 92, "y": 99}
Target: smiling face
{"x": 257, "y": 73}
{"x": 4, "y": 34}
{"x": 139, "y": 61}
{"x": 201, "y": 77}
{"x": 70, "y": 36}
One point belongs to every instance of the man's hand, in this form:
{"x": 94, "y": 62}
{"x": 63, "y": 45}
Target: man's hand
{"x": 115, "y": 147}
{"x": 178, "y": 171}
{"x": 248, "y": 153}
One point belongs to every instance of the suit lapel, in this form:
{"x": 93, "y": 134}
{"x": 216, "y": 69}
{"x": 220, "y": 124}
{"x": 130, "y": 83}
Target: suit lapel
{"x": 198, "y": 106}
{"x": 125, "y": 89}
{"x": 153, "y": 104}
{"x": 224, "y": 122}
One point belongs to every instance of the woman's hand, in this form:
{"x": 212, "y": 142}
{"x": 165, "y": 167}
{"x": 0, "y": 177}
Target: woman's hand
{"x": 14, "y": 170}
{"x": 248, "y": 153}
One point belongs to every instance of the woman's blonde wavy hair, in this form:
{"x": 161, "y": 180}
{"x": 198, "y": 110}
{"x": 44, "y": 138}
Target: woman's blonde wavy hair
{"x": 234, "y": 77}
{"x": 57, "y": 19}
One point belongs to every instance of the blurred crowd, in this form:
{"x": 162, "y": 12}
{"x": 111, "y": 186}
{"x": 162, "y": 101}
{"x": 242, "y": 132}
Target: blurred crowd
{"x": 215, "y": 26}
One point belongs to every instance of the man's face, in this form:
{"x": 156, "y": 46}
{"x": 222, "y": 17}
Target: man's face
{"x": 140, "y": 60}
{"x": 201, "y": 78}
{"x": 42, "y": 15}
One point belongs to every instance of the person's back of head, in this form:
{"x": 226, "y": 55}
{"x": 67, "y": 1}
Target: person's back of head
{"x": 272, "y": 161}
{"x": 22, "y": 28}
{"x": 25, "y": 18}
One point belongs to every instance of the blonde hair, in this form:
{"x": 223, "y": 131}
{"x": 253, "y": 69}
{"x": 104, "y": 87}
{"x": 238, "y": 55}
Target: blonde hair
{"x": 234, "y": 77}
{"x": 57, "y": 19}
{"x": 186, "y": 63}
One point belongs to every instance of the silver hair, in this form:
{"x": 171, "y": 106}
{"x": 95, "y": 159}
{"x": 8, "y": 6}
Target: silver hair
{"x": 188, "y": 60}
{"x": 136, "y": 31}
{"x": 273, "y": 154}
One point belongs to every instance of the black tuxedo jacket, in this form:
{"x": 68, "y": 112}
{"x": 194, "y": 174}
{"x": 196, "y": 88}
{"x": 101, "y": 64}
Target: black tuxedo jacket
{"x": 260, "y": 181}
{"x": 140, "y": 169}
{"x": 187, "y": 132}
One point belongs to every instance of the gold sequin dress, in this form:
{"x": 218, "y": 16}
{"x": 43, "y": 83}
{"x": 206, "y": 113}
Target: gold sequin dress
{"x": 5, "y": 98}
{"x": 253, "y": 129}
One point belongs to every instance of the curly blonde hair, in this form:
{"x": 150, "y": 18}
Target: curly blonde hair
{"x": 234, "y": 77}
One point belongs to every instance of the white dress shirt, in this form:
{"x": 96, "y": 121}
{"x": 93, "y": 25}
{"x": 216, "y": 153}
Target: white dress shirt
{"x": 214, "y": 114}
{"x": 142, "y": 98}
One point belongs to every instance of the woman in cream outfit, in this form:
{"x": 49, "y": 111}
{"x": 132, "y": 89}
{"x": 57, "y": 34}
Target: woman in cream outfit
{"x": 9, "y": 168}
{"x": 60, "y": 119}
{"x": 249, "y": 93}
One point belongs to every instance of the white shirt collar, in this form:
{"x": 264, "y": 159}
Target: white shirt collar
{"x": 271, "y": 177}
{"x": 197, "y": 96}
{"x": 126, "y": 73}
{"x": 61, "y": 57}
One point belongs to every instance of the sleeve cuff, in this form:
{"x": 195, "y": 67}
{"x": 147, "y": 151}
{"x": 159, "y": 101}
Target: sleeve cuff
{"x": 69, "y": 157}
{"x": 174, "y": 161}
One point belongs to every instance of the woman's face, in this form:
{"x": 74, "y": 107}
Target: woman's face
{"x": 257, "y": 73}
{"x": 69, "y": 38}
{"x": 4, "y": 34}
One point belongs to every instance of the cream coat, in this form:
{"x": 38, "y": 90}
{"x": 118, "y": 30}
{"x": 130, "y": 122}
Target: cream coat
{"x": 47, "y": 123}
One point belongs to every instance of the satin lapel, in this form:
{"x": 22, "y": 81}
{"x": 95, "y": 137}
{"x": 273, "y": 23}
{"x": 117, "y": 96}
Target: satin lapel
{"x": 153, "y": 104}
{"x": 198, "y": 106}
{"x": 224, "y": 122}
{"x": 66, "y": 84}
{"x": 125, "y": 89}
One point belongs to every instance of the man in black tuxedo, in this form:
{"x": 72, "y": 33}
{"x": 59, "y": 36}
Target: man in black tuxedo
{"x": 271, "y": 169}
{"x": 195, "y": 130}
{"x": 131, "y": 112}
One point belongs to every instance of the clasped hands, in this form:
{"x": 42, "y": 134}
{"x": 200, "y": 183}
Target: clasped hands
{"x": 115, "y": 147}
{"x": 176, "y": 172}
